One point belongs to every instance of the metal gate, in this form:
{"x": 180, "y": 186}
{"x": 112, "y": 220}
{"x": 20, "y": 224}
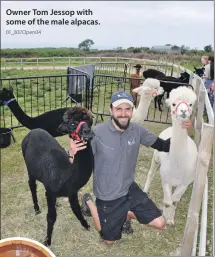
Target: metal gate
{"x": 105, "y": 85}
{"x": 36, "y": 95}
{"x": 93, "y": 90}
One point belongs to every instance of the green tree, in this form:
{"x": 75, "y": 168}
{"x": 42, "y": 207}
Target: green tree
{"x": 119, "y": 49}
{"x": 208, "y": 48}
{"x": 184, "y": 49}
{"x": 86, "y": 44}
{"x": 130, "y": 49}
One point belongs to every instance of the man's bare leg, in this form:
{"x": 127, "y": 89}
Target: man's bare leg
{"x": 94, "y": 213}
{"x": 158, "y": 223}
{"x": 95, "y": 216}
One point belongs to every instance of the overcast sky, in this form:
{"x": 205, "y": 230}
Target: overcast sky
{"x": 122, "y": 24}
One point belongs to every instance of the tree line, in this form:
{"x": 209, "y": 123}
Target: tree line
{"x": 85, "y": 49}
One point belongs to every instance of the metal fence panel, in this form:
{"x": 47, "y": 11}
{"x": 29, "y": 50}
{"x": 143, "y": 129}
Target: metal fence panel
{"x": 36, "y": 95}
{"x": 105, "y": 85}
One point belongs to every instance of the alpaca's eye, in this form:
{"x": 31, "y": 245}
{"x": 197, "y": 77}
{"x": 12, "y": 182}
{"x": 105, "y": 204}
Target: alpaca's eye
{"x": 190, "y": 105}
{"x": 173, "y": 104}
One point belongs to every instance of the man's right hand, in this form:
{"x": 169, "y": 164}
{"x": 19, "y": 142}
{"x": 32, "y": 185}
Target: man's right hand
{"x": 76, "y": 146}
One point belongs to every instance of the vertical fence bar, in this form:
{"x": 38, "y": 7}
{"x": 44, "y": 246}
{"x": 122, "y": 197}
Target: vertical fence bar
{"x": 203, "y": 230}
{"x": 204, "y": 154}
{"x": 199, "y": 121}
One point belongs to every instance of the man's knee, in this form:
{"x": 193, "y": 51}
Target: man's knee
{"x": 159, "y": 223}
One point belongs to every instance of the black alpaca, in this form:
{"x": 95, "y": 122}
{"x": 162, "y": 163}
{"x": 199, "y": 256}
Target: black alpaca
{"x": 199, "y": 71}
{"x": 167, "y": 85}
{"x": 152, "y": 73}
{"x": 48, "y": 163}
{"x": 48, "y": 121}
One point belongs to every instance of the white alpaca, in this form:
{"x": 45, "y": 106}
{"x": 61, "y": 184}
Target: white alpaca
{"x": 177, "y": 168}
{"x": 147, "y": 91}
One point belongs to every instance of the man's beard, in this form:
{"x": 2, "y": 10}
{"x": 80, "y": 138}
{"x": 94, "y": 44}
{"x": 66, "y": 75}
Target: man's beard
{"x": 119, "y": 124}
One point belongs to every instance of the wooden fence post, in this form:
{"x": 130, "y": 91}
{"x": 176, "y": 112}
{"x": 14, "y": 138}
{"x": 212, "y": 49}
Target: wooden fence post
{"x": 37, "y": 63}
{"x": 194, "y": 113}
{"x": 204, "y": 155}
{"x": 199, "y": 118}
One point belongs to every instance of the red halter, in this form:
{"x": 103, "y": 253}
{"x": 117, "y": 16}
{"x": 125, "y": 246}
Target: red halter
{"x": 75, "y": 135}
{"x": 182, "y": 102}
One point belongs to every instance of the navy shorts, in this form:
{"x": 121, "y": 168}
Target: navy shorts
{"x": 113, "y": 214}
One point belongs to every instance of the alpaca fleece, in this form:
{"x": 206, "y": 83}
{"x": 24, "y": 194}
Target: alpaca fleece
{"x": 48, "y": 163}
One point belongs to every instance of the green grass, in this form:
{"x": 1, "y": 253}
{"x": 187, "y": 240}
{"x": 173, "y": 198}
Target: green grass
{"x": 27, "y": 73}
{"x": 69, "y": 238}
{"x": 189, "y": 66}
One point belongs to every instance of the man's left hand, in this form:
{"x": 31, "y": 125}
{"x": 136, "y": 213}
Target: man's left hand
{"x": 186, "y": 124}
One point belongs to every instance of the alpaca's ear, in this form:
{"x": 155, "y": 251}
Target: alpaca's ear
{"x": 63, "y": 128}
{"x": 137, "y": 89}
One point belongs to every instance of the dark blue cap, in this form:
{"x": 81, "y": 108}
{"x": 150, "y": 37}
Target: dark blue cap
{"x": 121, "y": 97}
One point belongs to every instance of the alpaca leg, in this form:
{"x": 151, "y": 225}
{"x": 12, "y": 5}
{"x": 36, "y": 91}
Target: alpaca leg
{"x": 51, "y": 217}
{"x": 76, "y": 208}
{"x": 169, "y": 212}
{"x": 167, "y": 192}
{"x": 162, "y": 96}
{"x": 159, "y": 102}
{"x": 33, "y": 188}
{"x": 169, "y": 208}
{"x": 155, "y": 101}
{"x": 179, "y": 191}
{"x": 167, "y": 95}
{"x": 151, "y": 174}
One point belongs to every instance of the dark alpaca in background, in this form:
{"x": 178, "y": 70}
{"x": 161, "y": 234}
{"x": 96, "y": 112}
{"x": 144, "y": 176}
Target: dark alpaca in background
{"x": 168, "y": 87}
{"x": 48, "y": 121}
{"x": 199, "y": 71}
{"x": 48, "y": 163}
{"x": 152, "y": 73}
{"x": 167, "y": 83}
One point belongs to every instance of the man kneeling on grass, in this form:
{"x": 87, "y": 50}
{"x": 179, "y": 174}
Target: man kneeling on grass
{"x": 115, "y": 147}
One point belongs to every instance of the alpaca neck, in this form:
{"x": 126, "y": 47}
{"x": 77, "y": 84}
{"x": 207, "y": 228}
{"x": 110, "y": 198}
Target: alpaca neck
{"x": 87, "y": 165}
{"x": 80, "y": 155}
{"x": 142, "y": 109}
{"x": 22, "y": 117}
{"x": 178, "y": 146}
